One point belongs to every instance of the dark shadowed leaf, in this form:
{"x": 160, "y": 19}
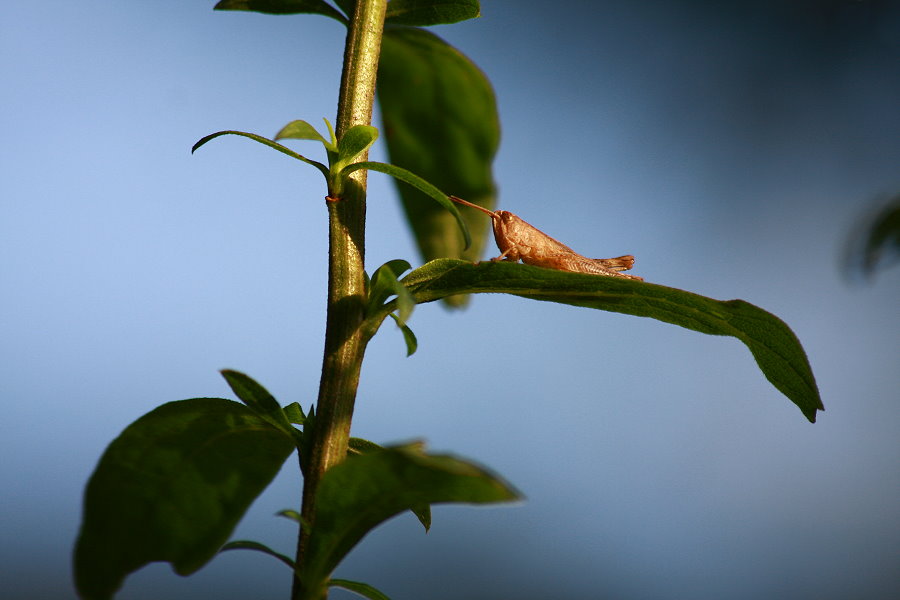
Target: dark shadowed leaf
{"x": 774, "y": 346}
{"x": 282, "y": 7}
{"x": 294, "y": 413}
{"x": 363, "y": 589}
{"x": 431, "y": 12}
{"x": 251, "y": 545}
{"x": 363, "y": 491}
{"x": 172, "y": 487}
{"x": 440, "y": 122}
{"x": 258, "y": 399}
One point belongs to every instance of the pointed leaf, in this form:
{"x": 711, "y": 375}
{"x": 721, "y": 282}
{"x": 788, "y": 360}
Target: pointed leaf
{"x": 251, "y": 545}
{"x": 421, "y": 185}
{"x": 774, "y": 346}
{"x": 282, "y": 7}
{"x": 363, "y": 491}
{"x": 284, "y": 150}
{"x": 172, "y": 487}
{"x": 431, "y": 12}
{"x": 385, "y": 283}
{"x": 361, "y": 446}
{"x": 363, "y": 589}
{"x": 412, "y": 344}
{"x": 301, "y": 130}
{"x": 258, "y": 399}
{"x": 440, "y": 121}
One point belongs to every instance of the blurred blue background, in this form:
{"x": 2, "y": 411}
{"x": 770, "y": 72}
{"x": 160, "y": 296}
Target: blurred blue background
{"x": 730, "y": 147}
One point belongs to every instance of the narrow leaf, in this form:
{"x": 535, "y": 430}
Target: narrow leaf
{"x": 363, "y": 589}
{"x": 282, "y": 7}
{"x": 431, "y": 12}
{"x": 421, "y": 185}
{"x": 284, "y": 150}
{"x": 412, "y": 344}
{"x": 358, "y": 494}
{"x": 439, "y": 119}
{"x": 294, "y": 413}
{"x": 258, "y": 399}
{"x": 774, "y": 346}
{"x": 251, "y": 545}
{"x": 172, "y": 487}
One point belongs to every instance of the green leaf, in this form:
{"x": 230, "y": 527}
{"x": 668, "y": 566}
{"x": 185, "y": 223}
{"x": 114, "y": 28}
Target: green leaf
{"x": 412, "y": 344}
{"x": 440, "y": 121}
{"x": 774, "y": 346}
{"x": 385, "y": 283}
{"x": 251, "y": 545}
{"x": 431, "y": 12}
{"x": 258, "y": 399}
{"x": 267, "y": 142}
{"x": 172, "y": 487}
{"x": 359, "y": 493}
{"x": 301, "y": 130}
{"x": 420, "y": 184}
{"x": 282, "y": 7}
{"x": 355, "y": 141}
{"x": 361, "y": 446}
{"x": 363, "y": 589}
{"x": 294, "y": 413}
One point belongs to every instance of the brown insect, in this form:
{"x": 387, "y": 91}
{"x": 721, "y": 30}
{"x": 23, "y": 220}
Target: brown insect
{"x": 517, "y": 240}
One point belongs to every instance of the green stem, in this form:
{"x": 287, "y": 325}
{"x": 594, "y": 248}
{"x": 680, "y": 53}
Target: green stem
{"x": 345, "y": 341}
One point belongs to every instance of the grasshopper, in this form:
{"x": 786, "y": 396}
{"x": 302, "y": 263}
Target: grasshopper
{"x": 517, "y": 240}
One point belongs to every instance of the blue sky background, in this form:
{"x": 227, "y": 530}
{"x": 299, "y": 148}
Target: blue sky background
{"x": 731, "y": 150}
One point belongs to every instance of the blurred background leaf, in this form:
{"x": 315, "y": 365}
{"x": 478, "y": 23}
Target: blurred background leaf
{"x": 875, "y": 243}
{"x": 440, "y": 121}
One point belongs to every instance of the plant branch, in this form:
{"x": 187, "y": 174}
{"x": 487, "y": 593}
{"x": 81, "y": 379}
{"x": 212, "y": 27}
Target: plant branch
{"x": 344, "y": 339}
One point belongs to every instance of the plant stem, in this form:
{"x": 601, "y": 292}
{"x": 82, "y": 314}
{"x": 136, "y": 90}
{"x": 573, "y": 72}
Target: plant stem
{"x": 344, "y": 341}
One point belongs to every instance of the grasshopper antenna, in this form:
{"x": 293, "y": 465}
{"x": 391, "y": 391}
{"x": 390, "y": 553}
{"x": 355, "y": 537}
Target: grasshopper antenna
{"x": 466, "y": 203}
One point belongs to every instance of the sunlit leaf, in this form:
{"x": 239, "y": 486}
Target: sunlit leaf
{"x": 355, "y": 141}
{"x": 774, "y": 346}
{"x": 172, "y": 487}
{"x": 301, "y": 130}
{"x": 431, "y": 12}
{"x": 440, "y": 122}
